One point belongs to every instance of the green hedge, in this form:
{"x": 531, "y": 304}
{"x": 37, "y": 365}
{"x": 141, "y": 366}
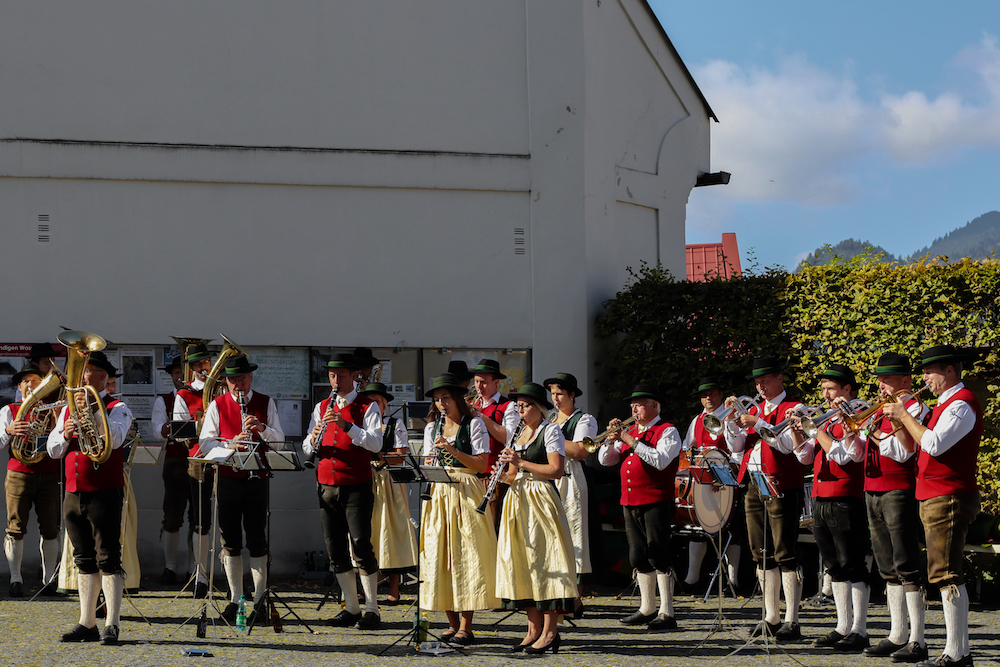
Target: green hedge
{"x": 670, "y": 332}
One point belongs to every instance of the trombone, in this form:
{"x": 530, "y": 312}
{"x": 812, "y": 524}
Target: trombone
{"x": 743, "y": 405}
{"x": 595, "y": 443}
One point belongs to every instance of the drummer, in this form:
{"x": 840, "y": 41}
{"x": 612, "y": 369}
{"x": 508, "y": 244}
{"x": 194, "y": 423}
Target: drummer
{"x": 697, "y": 443}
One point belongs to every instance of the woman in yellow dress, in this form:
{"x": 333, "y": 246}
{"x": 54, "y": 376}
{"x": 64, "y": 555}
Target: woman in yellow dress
{"x": 458, "y": 545}
{"x": 536, "y": 564}
{"x": 392, "y": 530}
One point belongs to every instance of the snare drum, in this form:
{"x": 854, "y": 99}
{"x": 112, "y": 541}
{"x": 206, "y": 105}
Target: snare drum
{"x": 700, "y": 503}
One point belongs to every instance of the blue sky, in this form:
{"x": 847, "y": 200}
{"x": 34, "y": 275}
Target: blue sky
{"x": 878, "y": 121}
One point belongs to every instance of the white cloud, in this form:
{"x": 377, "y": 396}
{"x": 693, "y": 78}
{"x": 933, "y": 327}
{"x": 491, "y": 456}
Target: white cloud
{"x": 797, "y": 133}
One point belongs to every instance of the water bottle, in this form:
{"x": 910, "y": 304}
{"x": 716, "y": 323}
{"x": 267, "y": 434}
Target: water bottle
{"x": 202, "y": 624}
{"x": 423, "y": 625}
{"x": 241, "y": 615}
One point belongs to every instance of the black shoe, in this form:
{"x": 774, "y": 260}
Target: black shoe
{"x": 110, "y": 635}
{"x": 369, "y": 621}
{"x": 49, "y": 589}
{"x": 637, "y": 618}
{"x": 578, "y": 612}
{"x": 345, "y": 619}
{"x": 168, "y": 576}
{"x": 684, "y": 588}
{"x": 200, "y": 590}
{"x": 759, "y": 629}
{"x": 520, "y": 648}
{"x": 16, "y": 589}
{"x": 81, "y": 634}
{"x": 466, "y": 639}
{"x": 828, "y": 640}
{"x": 229, "y": 614}
{"x": 662, "y": 622}
{"x": 554, "y": 645}
{"x": 945, "y": 661}
{"x": 788, "y": 632}
{"x": 852, "y": 643}
{"x": 912, "y": 652}
{"x": 883, "y": 649}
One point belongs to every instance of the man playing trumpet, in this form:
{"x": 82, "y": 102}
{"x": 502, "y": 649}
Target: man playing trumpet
{"x": 650, "y": 448}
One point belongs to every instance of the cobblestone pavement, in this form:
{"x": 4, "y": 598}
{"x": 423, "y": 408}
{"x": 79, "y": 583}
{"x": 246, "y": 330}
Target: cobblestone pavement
{"x": 31, "y": 631}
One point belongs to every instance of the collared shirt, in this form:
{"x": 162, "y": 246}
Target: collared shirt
{"x": 119, "y": 421}
{"x": 209, "y": 436}
{"x": 510, "y": 415}
{"x": 400, "y": 438}
{"x": 736, "y": 437}
{"x": 954, "y": 424}
{"x": 554, "y": 440}
{"x": 585, "y": 428}
{"x": 6, "y": 419}
{"x": 368, "y": 438}
{"x": 477, "y": 432}
{"x": 848, "y": 449}
{"x": 160, "y": 417}
{"x": 666, "y": 450}
{"x": 891, "y": 447}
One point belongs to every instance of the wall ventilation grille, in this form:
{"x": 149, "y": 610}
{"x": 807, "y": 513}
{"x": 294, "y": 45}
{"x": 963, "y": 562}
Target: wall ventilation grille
{"x": 43, "y": 228}
{"x": 520, "y": 242}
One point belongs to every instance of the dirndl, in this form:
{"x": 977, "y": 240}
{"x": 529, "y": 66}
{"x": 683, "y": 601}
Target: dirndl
{"x": 536, "y": 565}
{"x": 573, "y": 490}
{"x": 458, "y": 547}
{"x": 393, "y": 537}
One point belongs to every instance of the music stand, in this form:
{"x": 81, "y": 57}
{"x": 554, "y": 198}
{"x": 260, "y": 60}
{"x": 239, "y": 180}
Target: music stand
{"x": 414, "y": 473}
{"x": 280, "y": 460}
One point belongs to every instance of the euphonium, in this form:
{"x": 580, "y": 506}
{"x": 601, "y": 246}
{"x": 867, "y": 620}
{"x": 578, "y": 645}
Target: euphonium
{"x": 40, "y": 418}
{"x": 213, "y": 389}
{"x": 92, "y": 429}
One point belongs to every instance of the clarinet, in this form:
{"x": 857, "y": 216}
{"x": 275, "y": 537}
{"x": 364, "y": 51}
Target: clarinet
{"x": 310, "y": 461}
{"x": 500, "y": 469}
{"x": 425, "y": 493}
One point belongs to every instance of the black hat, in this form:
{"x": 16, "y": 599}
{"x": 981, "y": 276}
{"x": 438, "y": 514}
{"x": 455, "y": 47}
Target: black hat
{"x": 100, "y": 360}
{"x": 239, "y": 366}
{"x": 28, "y": 369}
{"x": 839, "y": 373}
{"x": 364, "y": 358}
{"x": 444, "y": 381}
{"x": 646, "y": 391}
{"x": 534, "y": 392}
{"x": 460, "y": 370}
{"x": 891, "y": 363}
{"x": 377, "y": 388}
{"x": 566, "y": 381}
{"x": 489, "y": 366}
{"x": 343, "y": 360}
{"x": 941, "y": 354}
{"x": 176, "y": 363}
{"x": 708, "y": 382}
{"x": 765, "y": 366}
{"x": 41, "y": 351}
{"x": 197, "y": 352}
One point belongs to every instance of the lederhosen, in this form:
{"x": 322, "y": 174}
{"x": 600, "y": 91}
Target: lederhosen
{"x": 648, "y": 503}
{"x": 840, "y": 525}
{"x": 344, "y": 487}
{"x": 32, "y": 485}
{"x": 201, "y": 478}
{"x": 92, "y": 507}
{"x": 176, "y": 489}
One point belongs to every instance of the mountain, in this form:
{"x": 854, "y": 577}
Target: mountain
{"x": 976, "y": 239}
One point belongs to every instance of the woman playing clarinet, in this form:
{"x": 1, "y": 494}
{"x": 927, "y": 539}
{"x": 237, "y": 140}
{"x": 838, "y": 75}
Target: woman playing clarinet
{"x": 459, "y": 545}
{"x": 536, "y": 565}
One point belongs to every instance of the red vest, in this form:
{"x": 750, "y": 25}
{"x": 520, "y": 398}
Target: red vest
{"x": 193, "y": 400}
{"x": 495, "y": 412}
{"x": 832, "y": 480}
{"x": 82, "y": 474}
{"x": 231, "y": 423}
{"x": 642, "y": 484}
{"x": 340, "y": 461}
{"x": 953, "y": 472}
{"x": 47, "y": 464}
{"x": 702, "y": 438}
{"x": 175, "y": 449}
{"x": 786, "y": 468}
{"x": 884, "y": 474}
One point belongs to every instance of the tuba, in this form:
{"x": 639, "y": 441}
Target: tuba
{"x": 184, "y": 344}
{"x": 212, "y": 387}
{"x": 23, "y": 447}
{"x": 93, "y": 432}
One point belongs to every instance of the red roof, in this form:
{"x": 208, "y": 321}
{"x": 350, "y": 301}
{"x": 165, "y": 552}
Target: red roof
{"x": 708, "y": 260}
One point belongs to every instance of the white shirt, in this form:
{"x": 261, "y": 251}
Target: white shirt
{"x": 554, "y": 441}
{"x": 477, "y": 431}
{"x": 736, "y": 437}
{"x": 849, "y": 449}
{"x": 368, "y": 438}
{"x": 957, "y": 420}
{"x": 510, "y": 415}
{"x": 666, "y": 450}
{"x": 209, "y": 436}
{"x": 891, "y": 447}
{"x": 160, "y": 417}
{"x": 6, "y": 419}
{"x": 119, "y": 421}
{"x": 400, "y": 439}
{"x": 181, "y": 412}
{"x": 585, "y": 428}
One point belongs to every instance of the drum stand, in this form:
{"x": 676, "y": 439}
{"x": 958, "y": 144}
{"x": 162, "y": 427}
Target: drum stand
{"x": 767, "y": 491}
{"x": 414, "y": 473}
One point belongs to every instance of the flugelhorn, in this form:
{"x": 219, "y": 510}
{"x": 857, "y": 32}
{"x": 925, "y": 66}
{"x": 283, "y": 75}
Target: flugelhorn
{"x": 769, "y": 434}
{"x": 595, "y": 443}
{"x": 860, "y": 421}
{"x": 24, "y": 447}
{"x": 744, "y": 404}
{"x": 92, "y": 429}
{"x": 812, "y": 425}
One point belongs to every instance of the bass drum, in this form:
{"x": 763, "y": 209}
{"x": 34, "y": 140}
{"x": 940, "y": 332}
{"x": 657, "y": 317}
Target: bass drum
{"x": 700, "y": 503}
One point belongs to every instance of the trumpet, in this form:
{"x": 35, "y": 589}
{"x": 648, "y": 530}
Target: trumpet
{"x": 864, "y": 420}
{"x": 595, "y": 443}
{"x": 499, "y": 470}
{"x": 472, "y": 396}
{"x": 744, "y": 404}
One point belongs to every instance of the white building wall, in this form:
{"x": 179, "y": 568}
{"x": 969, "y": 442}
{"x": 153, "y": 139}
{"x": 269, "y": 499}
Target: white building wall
{"x": 352, "y": 173}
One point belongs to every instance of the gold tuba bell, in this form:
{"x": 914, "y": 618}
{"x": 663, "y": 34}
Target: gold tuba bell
{"x": 23, "y": 447}
{"x": 212, "y": 387}
{"x": 93, "y": 432}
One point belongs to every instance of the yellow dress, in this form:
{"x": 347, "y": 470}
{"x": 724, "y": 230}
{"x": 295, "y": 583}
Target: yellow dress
{"x": 393, "y": 537}
{"x": 536, "y": 561}
{"x": 458, "y": 546}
